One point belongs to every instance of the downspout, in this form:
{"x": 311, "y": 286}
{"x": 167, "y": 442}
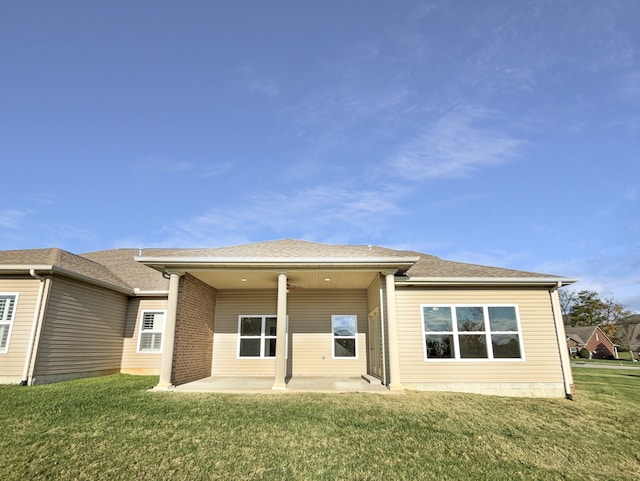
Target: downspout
{"x": 35, "y": 324}
{"x": 383, "y": 340}
{"x": 565, "y": 364}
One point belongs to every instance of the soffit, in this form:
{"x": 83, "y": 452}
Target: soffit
{"x": 263, "y": 279}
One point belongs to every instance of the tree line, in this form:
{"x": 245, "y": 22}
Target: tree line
{"x": 589, "y": 308}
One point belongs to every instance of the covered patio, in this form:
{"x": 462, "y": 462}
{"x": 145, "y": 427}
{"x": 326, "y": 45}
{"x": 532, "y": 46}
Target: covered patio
{"x": 213, "y": 302}
{"x": 263, "y": 384}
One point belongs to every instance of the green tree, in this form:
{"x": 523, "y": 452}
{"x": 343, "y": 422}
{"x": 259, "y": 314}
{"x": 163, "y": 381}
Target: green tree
{"x": 587, "y": 309}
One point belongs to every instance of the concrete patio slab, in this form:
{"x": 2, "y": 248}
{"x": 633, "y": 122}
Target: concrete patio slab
{"x": 251, "y": 384}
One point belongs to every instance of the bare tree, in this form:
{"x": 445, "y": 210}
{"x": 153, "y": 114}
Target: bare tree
{"x": 567, "y": 299}
{"x": 628, "y": 335}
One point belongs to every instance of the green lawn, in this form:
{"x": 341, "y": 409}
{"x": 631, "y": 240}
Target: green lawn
{"x": 111, "y": 428}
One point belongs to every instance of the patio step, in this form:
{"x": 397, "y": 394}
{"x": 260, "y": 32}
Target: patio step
{"x": 371, "y": 379}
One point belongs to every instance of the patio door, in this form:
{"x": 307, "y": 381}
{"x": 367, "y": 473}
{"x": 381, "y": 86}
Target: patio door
{"x": 376, "y": 359}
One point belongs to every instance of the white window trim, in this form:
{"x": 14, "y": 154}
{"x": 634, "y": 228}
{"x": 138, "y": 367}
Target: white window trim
{"x": 487, "y": 332}
{"x": 262, "y": 337}
{"x": 141, "y": 331}
{"x": 7, "y": 321}
{"x": 334, "y": 337}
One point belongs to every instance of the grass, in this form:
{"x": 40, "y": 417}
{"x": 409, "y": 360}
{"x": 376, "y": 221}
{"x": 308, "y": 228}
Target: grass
{"x": 111, "y": 428}
{"x": 624, "y": 355}
{"x": 623, "y": 360}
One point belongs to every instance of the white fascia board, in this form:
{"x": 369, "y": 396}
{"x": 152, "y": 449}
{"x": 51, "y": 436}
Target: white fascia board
{"x": 486, "y": 281}
{"x": 266, "y": 262}
{"x": 20, "y": 268}
{"x": 51, "y": 269}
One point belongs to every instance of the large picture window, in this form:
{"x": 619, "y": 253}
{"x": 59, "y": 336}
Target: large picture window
{"x": 7, "y": 311}
{"x": 471, "y": 332}
{"x": 257, "y": 336}
{"x": 151, "y": 329}
{"x": 345, "y": 336}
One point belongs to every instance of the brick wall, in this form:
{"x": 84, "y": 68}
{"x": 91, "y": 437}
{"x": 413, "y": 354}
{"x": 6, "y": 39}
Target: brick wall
{"x": 193, "y": 347}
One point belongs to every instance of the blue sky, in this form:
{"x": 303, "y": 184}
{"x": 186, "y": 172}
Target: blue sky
{"x": 493, "y": 132}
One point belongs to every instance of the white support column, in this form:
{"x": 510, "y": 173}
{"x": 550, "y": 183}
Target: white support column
{"x": 392, "y": 326}
{"x": 166, "y": 363}
{"x": 281, "y": 334}
{"x": 565, "y": 362}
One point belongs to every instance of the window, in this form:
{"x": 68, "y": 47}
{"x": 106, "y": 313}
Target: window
{"x": 257, "y": 336}
{"x": 345, "y": 336}
{"x": 7, "y": 310}
{"x": 471, "y": 332}
{"x": 151, "y": 328}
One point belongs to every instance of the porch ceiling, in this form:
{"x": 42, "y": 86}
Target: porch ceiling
{"x": 264, "y": 279}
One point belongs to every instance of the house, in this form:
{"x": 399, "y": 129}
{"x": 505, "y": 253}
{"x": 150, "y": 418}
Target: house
{"x": 593, "y": 339}
{"x": 282, "y": 309}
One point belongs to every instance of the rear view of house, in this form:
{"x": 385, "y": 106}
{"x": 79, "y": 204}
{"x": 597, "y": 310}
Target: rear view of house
{"x": 282, "y": 309}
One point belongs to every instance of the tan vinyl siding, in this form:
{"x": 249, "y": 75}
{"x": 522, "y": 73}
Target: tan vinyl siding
{"x": 12, "y": 362}
{"x": 82, "y": 333}
{"x": 229, "y": 305}
{"x": 134, "y": 362}
{"x": 310, "y": 332}
{"x": 309, "y": 337}
{"x": 542, "y": 357}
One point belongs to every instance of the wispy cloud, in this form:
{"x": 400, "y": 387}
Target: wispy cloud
{"x": 309, "y": 213}
{"x": 612, "y": 273}
{"x": 629, "y": 87}
{"x": 343, "y": 106}
{"x": 164, "y": 166}
{"x": 263, "y": 87}
{"x": 632, "y": 195}
{"x": 215, "y": 169}
{"x": 256, "y": 81}
{"x": 12, "y": 218}
{"x": 455, "y": 145}
{"x": 40, "y": 197}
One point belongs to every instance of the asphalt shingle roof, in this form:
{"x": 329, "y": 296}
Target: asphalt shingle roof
{"x": 580, "y": 334}
{"x": 62, "y": 259}
{"x": 427, "y": 265}
{"x": 118, "y": 267}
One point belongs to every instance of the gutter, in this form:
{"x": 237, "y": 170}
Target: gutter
{"x": 38, "y": 316}
{"x": 565, "y": 363}
{"x": 52, "y": 269}
{"x": 195, "y": 263}
{"x": 486, "y": 281}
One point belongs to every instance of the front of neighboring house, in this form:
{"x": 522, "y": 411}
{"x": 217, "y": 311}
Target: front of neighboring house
{"x": 282, "y": 309}
{"x": 591, "y": 338}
